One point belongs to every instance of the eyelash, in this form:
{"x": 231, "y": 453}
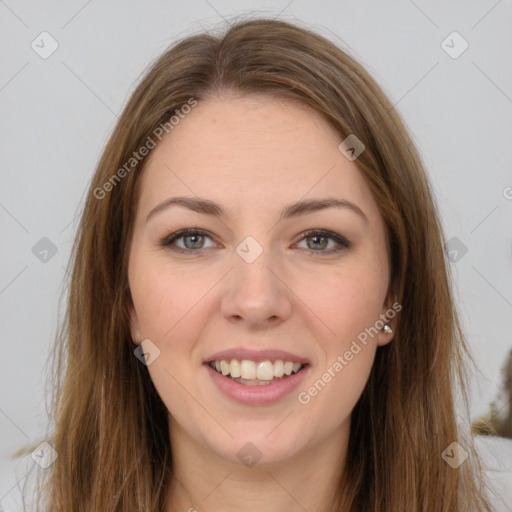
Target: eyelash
{"x": 340, "y": 240}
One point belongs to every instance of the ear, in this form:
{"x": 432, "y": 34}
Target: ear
{"x": 134, "y": 324}
{"x": 388, "y": 317}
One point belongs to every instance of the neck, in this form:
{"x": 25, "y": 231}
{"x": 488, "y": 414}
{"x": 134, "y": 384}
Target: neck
{"x": 205, "y": 482}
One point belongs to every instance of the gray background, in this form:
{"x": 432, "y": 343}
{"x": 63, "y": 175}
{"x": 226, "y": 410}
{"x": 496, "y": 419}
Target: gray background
{"x": 57, "y": 113}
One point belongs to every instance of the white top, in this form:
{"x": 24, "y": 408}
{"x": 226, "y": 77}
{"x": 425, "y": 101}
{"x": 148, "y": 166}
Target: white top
{"x": 495, "y": 452}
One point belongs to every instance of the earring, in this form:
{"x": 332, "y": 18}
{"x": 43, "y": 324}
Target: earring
{"x": 387, "y": 329}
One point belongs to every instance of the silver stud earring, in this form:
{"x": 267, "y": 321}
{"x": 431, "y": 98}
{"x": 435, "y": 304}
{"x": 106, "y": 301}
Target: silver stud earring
{"x": 387, "y": 329}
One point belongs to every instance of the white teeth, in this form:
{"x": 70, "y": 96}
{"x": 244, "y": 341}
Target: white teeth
{"x": 250, "y": 370}
{"x": 278, "y": 368}
{"x": 235, "y": 369}
{"x": 224, "y": 367}
{"x": 265, "y": 371}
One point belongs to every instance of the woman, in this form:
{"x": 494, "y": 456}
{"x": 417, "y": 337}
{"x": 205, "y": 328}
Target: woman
{"x": 260, "y": 314}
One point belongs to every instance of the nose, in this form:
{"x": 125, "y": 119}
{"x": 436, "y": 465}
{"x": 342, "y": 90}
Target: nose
{"x": 256, "y": 293}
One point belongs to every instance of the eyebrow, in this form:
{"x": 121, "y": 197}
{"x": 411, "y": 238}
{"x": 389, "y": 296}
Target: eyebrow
{"x": 208, "y": 207}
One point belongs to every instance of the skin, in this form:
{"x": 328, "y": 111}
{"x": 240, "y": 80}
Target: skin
{"x": 254, "y": 155}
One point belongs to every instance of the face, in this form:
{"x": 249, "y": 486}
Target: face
{"x": 257, "y": 280}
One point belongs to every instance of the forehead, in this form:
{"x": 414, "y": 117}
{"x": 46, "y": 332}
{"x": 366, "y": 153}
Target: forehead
{"x": 252, "y": 152}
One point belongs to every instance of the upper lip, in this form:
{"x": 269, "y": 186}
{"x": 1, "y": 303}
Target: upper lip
{"x": 256, "y": 355}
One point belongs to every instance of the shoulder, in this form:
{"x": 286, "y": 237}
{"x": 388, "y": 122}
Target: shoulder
{"x": 496, "y": 456}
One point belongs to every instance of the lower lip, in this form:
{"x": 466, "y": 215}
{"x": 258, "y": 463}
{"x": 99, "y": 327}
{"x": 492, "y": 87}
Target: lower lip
{"x": 257, "y": 395}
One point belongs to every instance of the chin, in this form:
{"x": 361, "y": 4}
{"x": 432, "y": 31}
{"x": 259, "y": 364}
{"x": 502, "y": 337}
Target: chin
{"x": 257, "y": 448}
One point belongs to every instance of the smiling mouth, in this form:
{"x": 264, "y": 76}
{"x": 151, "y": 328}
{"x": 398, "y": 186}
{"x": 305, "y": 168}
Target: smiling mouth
{"x": 251, "y": 373}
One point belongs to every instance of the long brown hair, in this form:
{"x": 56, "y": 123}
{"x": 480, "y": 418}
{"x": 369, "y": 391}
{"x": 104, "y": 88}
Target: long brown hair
{"x": 111, "y": 430}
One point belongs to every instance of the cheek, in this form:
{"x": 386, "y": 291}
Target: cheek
{"x": 346, "y": 301}
{"x": 170, "y": 312}
{"x": 334, "y": 391}
{"x": 163, "y": 297}
{"x": 345, "y": 358}
{"x": 164, "y": 302}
